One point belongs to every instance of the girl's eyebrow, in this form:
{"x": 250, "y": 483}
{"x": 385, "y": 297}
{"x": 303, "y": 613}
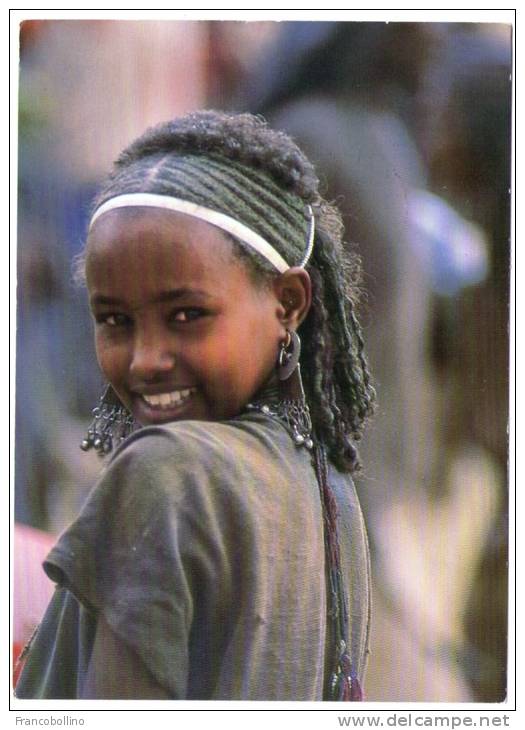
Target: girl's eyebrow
{"x": 171, "y": 294}
{"x": 164, "y": 296}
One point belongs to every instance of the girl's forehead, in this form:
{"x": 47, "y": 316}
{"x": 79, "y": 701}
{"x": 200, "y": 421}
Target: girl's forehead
{"x": 154, "y": 249}
{"x": 142, "y": 233}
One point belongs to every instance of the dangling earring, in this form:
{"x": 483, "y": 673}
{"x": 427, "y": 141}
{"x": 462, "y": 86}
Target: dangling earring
{"x": 290, "y": 407}
{"x": 111, "y": 424}
{"x": 294, "y": 407}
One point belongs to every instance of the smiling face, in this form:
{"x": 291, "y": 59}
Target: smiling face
{"x": 182, "y": 331}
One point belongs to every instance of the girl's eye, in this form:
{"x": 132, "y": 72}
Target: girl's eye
{"x": 113, "y": 320}
{"x": 188, "y": 315}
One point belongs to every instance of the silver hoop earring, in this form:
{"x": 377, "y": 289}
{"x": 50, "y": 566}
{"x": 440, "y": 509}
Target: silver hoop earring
{"x": 289, "y": 355}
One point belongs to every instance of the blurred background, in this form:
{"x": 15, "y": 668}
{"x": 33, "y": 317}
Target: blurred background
{"x": 409, "y": 125}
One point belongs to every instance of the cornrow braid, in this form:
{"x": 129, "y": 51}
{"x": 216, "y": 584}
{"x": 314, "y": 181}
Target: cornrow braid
{"x": 237, "y": 165}
{"x": 240, "y": 137}
{"x": 338, "y": 386}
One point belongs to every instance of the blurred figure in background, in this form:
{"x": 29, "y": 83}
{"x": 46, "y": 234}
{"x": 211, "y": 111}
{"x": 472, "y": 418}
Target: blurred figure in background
{"x": 356, "y": 96}
{"x": 468, "y": 145}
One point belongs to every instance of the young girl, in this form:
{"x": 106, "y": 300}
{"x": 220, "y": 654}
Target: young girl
{"x": 222, "y": 554}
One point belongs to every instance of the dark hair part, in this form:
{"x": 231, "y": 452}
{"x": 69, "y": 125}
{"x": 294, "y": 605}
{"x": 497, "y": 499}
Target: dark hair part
{"x": 336, "y": 376}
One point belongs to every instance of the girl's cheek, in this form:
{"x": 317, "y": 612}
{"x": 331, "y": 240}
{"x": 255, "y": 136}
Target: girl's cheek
{"x": 111, "y": 358}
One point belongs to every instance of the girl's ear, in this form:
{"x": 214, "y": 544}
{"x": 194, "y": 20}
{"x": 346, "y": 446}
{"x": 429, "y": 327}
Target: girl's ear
{"x": 294, "y": 292}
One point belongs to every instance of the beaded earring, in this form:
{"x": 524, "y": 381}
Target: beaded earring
{"x": 289, "y": 405}
{"x": 111, "y": 424}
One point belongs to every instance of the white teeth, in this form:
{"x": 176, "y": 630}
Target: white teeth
{"x": 153, "y": 400}
{"x": 165, "y": 400}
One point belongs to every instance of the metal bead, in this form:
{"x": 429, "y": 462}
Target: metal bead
{"x": 265, "y": 409}
{"x": 97, "y": 443}
{"x": 309, "y": 443}
{"x": 85, "y": 445}
{"x": 298, "y": 439}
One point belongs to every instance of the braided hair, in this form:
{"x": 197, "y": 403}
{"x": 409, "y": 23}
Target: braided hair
{"x": 237, "y": 163}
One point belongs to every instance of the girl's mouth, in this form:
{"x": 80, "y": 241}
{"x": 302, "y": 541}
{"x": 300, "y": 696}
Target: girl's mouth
{"x": 165, "y": 401}
{"x": 162, "y": 407}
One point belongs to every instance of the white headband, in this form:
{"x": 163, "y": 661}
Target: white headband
{"x": 230, "y": 225}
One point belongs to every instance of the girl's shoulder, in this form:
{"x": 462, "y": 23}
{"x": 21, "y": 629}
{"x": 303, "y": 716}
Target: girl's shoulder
{"x": 241, "y": 439}
{"x": 187, "y": 462}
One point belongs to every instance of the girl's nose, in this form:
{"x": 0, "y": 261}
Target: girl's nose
{"x": 152, "y": 357}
